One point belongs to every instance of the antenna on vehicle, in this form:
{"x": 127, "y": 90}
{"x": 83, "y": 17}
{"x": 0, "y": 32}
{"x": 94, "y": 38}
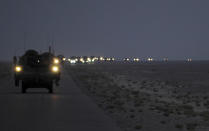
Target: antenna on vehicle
{"x": 53, "y": 45}
{"x": 24, "y": 41}
{"x": 14, "y": 57}
{"x": 50, "y": 49}
{"x": 47, "y": 42}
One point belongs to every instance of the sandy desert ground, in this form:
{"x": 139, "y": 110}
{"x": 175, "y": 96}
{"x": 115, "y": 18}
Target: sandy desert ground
{"x": 156, "y": 96}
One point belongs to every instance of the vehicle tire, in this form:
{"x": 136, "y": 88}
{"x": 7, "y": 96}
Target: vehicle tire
{"x": 24, "y": 87}
{"x": 50, "y": 87}
{"x": 16, "y": 82}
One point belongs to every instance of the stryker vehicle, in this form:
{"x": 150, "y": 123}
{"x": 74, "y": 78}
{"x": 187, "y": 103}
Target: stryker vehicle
{"x": 34, "y": 70}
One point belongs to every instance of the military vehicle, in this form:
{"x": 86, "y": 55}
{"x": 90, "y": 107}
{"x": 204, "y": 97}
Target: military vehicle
{"x": 34, "y": 70}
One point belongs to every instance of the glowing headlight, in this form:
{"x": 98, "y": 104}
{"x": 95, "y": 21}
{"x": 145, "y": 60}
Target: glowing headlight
{"x": 101, "y": 58}
{"x": 88, "y": 59}
{"x": 165, "y": 59}
{"x": 189, "y": 60}
{"x": 150, "y": 59}
{"x": 81, "y": 59}
{"x": 95, "y": 58}
{"x": 56, "y": 61}
{"x": 136, "y": 59}
{"x": 72, "y": 61}
{"x": 55, "y": 68}
{"x": 18, "y": 68}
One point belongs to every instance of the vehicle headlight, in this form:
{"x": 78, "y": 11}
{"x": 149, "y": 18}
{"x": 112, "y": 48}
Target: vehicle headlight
{"x": 88, "y": 59}
{"x": 101, "y": 58}
{"x": 56, "y": 61}
{"x": 72, "y": 61}
{"x": 18, "y": 68}
{"x": 55, "y": 69}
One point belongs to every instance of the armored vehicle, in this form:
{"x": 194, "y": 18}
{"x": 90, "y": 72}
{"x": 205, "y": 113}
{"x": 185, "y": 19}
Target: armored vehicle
{"x": 34, "y": 70}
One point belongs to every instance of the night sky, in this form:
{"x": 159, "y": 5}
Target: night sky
{"x": 177, "y": 29}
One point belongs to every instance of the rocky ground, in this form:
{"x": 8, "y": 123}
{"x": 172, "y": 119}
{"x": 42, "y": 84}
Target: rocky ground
{"x": 149, "y": 97}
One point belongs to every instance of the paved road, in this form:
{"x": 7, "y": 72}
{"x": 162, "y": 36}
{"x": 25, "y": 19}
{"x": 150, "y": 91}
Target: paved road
{"x": 68, "y": 109}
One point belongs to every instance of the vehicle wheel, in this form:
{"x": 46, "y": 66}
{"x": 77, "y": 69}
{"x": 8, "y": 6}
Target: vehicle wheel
{"x": 23, "y": 87}
{"x": 57, "y": 82}
{"x": 50, "y": 87}
{"x": 50, "y": 90}
{"x": 16, "y": 82}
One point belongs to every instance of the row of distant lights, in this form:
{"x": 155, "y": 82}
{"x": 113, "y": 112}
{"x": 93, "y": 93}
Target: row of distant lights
{"x": 88, "y": 60}
{"x": 151, "y": 59}
{"x": 91, "y": 60}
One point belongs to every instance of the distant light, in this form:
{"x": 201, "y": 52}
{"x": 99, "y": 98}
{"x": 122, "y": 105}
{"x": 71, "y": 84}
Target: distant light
{"x": 64, "y": 59}
{"x": 95, "y": 58}
{"x": 108, "y": 59}
{"x": 101, "y": 58}
{"x": 126, "y": 59}
{"x": 88, "y": 60}
{"x": 136, "y": 59}
{"x": 81, "y": 59}
{"x": 72, "y": 61}
{"x": 189, "y": 60}
{"x": 150, "y": 59}
{"x": 165, "y": 59}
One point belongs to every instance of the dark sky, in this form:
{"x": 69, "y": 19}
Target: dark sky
{"x": 176, "y": 29}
